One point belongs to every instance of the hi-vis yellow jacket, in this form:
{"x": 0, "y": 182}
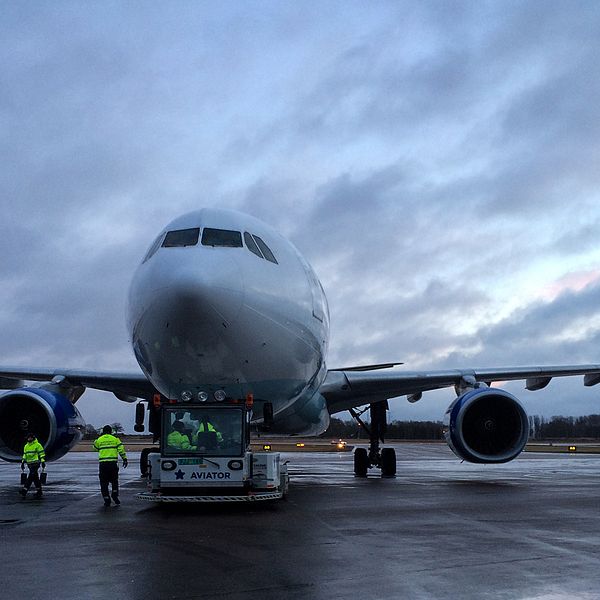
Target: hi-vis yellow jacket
{"x": 109, "y": 448}
{"x": 34, "y": 452}
{"x": 206, "y": 426}
{"x": 179, "y": 440}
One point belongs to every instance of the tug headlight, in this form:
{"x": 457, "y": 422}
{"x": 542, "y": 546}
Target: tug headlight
{"x": 202, "y": 396}
{"x": 220, "y": 395}
{"x": 186, "y": 395}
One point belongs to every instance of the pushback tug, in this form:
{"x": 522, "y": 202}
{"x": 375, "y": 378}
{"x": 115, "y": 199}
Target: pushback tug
{"x": 215, "y": 462}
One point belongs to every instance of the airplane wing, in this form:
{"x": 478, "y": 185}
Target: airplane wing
{"x": 351, "y": 388}
{"x": 126, "y": 386}
{"x": 342, "y": 389}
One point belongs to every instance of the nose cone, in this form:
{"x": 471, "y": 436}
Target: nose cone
{"x": 181, "y": 314}
{"x": 210, "y": 294}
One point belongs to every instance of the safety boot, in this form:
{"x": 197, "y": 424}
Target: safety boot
{"x": 23, "y": 492}
{"x": 106, "y": 500}
{"x": 38, "y": 494}
{"x": 115, "y": 498}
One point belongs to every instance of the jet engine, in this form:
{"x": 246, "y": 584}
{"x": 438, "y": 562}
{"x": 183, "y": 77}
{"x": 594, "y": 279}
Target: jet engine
{"x": 486, "y": 425}
{"x": 48, "y": 414}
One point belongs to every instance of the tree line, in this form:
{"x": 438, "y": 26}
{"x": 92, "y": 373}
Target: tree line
{"x": 396, "y": 430}
{"x": 557, "y": 427}
{"x": 91, "y": 432}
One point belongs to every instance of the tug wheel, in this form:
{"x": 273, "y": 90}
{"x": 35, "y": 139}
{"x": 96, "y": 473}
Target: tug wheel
{"x": 144, "y": 460}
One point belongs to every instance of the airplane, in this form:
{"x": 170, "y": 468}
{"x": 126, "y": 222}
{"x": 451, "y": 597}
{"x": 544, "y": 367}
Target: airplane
{"x": 222, "y": 306}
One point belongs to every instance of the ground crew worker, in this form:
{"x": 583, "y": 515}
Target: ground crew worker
{"x": 207, "y": 426}
{"x": 178, "y": 439}
{"x": 33, "y": 456}
{"x": 109, "y": 448}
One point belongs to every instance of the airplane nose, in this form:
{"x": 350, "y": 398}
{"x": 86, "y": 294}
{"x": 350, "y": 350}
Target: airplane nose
{"x": 212, "y": 291}
{"x": 182, "y": 329}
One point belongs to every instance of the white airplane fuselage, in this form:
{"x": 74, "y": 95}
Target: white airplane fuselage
{"x": 206, "y": 317}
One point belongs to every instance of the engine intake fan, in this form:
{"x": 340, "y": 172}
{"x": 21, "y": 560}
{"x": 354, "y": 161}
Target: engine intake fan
{"x": 486, "y": 425}
{"x": 56, "y": 423}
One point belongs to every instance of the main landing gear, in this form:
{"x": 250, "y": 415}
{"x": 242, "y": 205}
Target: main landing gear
{"x": 384, "y": 459}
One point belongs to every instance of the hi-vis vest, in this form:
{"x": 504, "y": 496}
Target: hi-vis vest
{"x": 109, "y": 448}
{"x": 176, "y": 439}
{"x": 209, "y": 427}
{"x": 34, "y": 452}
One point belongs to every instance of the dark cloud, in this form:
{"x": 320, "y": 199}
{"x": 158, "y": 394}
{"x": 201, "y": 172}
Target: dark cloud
{"x": 563, "y": 331}
{"x": 430, "y": 159}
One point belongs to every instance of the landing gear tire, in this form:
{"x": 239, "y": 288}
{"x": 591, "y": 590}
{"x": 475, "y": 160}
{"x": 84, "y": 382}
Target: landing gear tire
{"x": 361, "y": 462}
{"x": 388, "y": 462}
{"x": 144, "y": 460}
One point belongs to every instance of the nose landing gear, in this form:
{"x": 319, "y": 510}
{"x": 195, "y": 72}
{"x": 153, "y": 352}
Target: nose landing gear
{"x": 384, "y": 459}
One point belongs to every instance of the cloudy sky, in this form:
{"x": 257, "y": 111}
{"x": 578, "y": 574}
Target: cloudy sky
{"x": 437, "y": 162}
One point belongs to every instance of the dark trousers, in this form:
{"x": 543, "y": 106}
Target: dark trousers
{"x": 109, "y": 473}
{"x": 33, "y": 476}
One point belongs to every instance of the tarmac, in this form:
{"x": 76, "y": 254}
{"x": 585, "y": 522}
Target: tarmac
{"x": 529, "y": 529}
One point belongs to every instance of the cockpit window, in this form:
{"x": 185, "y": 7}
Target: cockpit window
{"x": 251, "y": 244}
{"x": 181, "y": 237}
{"x": 265, "y": 250}
{"x": 221, "y": 237}
{"x": 155, "y": 246}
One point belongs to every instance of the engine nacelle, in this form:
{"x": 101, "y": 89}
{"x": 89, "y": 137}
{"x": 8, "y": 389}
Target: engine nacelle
{"x": 56, "y": 423}
{"x": 486, "y": 425}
